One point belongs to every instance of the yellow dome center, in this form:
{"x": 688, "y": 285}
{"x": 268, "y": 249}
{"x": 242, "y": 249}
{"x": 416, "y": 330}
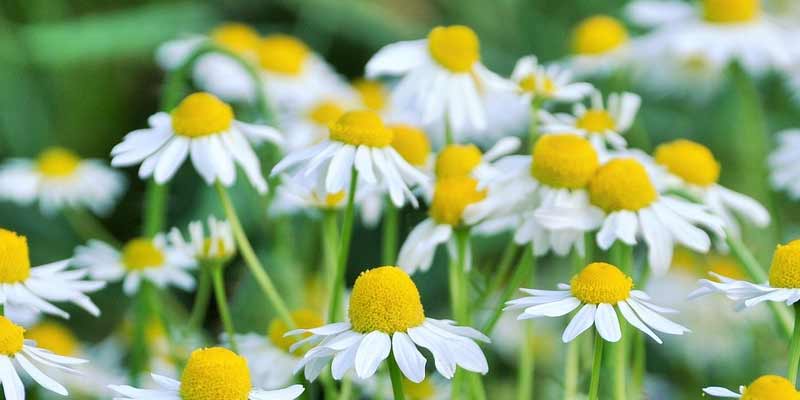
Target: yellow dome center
{"x": 731, "y": 11}
{"x": 361, "y": 128}
{"x": 564, "y": 161}
{"x": 57, "y": 162}
{"x": 385, "y": 299}
{"x": 785, "y": 269}
{"x": 457, "y": 160}
{"x": 201, "y": 114}
{"x": 54, "y": 337}
{"x": 596, "y": 121}
{"x": 15, "y": 265}
{"x": 215, "y": 374}
{"x": 622, "y": 184}
{"x": 283, "y": 54}
{"x": 236, "y": 37}
{"x": 690, "y": 161}
{"x": 12, "y": 337}
{"x": 412, "y": 144}
{"x": 141, "y": 253}
{"x": 373, "y": 94}
{"x": 601, "y": 283}
{"x": 455, "y": 47}
{"x": 597, "y": 35}
{"x": 541, "y": 85}
{"x": 419, "y": 391}
{"x": 770, "y": 387}
{"x": 304, "y": 319}
{"x": 451, "y": 196}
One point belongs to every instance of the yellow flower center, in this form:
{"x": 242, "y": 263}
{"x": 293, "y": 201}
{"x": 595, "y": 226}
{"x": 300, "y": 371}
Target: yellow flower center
{"x": 334, "y": 199}
{"x": 283, "y": 54}
{"x": 412, "y": 144}
{"x": 15, "y": 265}
{"x": 597, "y": 35}
{"x": 141, "y": 253}
{"x": 601, "y": 283}
{"x": 326, "y": 112}
{"x": 12, "y": 337}
{"x": 622, "y": 184}
{"x": 455, "y": 47}
{"x": 201, "y": 114}
{"x": 770, "y": 387}
{"x": 385, "y": 299}
{"x": 690, "y": 161}
{"x": 372, "y": 93}
{"x": 57, "y": 162}
{"x": 731, "y": 11}
{"x": 304, "y": 319}
{"x": 54, "y": 337}
{"x": 596, "y": 121}
{"x": 541, "y": 85}
{"x": 564, "y": 161}
{"x": 419, "y": 391}
{"x": 236, "y": 37}
{"x": 215, "y": 374}
{"x": 785, "y": 269}
{"x": 361, "y": 128}
{"x": 457, "y": 160}
{"x": 451, "y": 196}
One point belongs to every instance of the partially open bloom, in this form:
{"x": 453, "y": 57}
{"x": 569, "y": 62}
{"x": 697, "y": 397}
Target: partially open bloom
{"x": 59, "y": 179}
{"x": 551, "y": 82}
{"x": 203, "y": 128}
{"x": 214, "y": 373}
{"x": 386, "y": 319}
{"x": 784, "y": 163}
{"x": 767, "y": 387}
{"x": 600, "y": 44}
{"x": 217, "y": 246}
{"x": 598, "y": 289}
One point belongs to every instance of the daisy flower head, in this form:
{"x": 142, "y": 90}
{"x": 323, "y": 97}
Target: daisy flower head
{"x": 783, "y": 163}
{"x": 386, "y": 319}
{"x": 597, "y": 290}
{"x": 600, "y": 44}
{"x": 296, "y": 194}
{"x": 212, "y": 373}
{"x": 217, "y": 246}
{"x": 38, "y": 287}
{"x": 552, "y": 82}
{"x": 58, "y": 178}
{"x": 766, "y": 387}
{"x": 154, "y": 260}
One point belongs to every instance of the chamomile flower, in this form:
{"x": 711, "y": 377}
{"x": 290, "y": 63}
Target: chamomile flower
{"x": 59, "y": 179}
{"x": 214, "y": 373}
{"x": 140, "y": 259}
{"x": 218, "y": 245}
{"x": 203, "y": 128}
{"x": 16, "y": 350}
{"x": 783, "y": 163}
{"x": 600, "y": 44}
{"x": 766, "y": 387}
{"x": 37, "y": 287}
{"x": 386, "y": 319}
{"x": 443, "y": 79}
{"x": 360, "y": 142}
{"x": 597, "y": 290}
{"x": 551, "y": 82}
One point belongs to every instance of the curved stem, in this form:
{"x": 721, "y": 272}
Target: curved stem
{"x": 330, "y": 246}
{"x": 201, "y": 299}
{"x": 222, "y": 305}
{"x": 524, "y": 269}
{"x": 499, "y": 275}
{"x": 794, "y": 348}
{"x": 87, "y": 226}
{"x": 594, "y": 384}
{"x": 397, "y": 378}
{"x": 389, "y": 248}
{"x": 344, "y": 250}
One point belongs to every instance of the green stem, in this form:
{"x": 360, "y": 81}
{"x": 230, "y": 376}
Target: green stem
{"x": 499, "y": 275}
{"x": 250, "y": 258}
{"x": 222, "y": 306}
{"x": 622, "y": 256}
{"x": 533, "y": 127}
{"x": 201, "y": 299}
{"x": 448, "y": 131}
{"x": 794, "y": 348}
{"x": 571, "y": 370}
{"x": 330, "y": 246}
{"x": 389, "y": 249}
{"x": 524, "y": 269}
{"x": 526, "y": 365}
{"x": 594, "y": 384}
{"x": 639, "y": 365}
{"x": 476, "y": 384}
{"x": 397, "y": 378}
{"x": 344, "y": 250}
{"x": 460, "y": 276}
{"x": 155, "y": 208}
{"x": 346, "y": 389}
{"x": 87, "y": 226}
{"x": 140, "y": 352}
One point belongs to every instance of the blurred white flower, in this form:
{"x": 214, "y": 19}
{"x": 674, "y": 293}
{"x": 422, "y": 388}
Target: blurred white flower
{"x": 784, "y": 163}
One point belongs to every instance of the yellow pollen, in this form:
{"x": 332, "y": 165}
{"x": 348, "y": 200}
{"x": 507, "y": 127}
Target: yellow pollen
{"x": 141, "y": 253}
{"x": 785, "y": 269}
{"x": 12, "y": 337}
{"x": 690, "y": 161}
{"x": 236, "y": 37}
{"x": 15, "y": 265}
{"x": 385, "y": 299}
{"x": 601, "y": 283}
{"x": 596, "y": 121}
{"x": 372, "y": 93}
{"x": 451, "y": 196}
{"x": 622, "y": 184}
{"x": 731, "y": 11}
{"x": 215, "y": 374}
{"x": 57, "y": 162}
{"x": 541, "y": 85}
{"x": 419, "y": 391}
{"x": 412, "y": 144}
{"x": 326, "y": 112}
{"x": 54, "y": 337}
{"x": 359, "y": 128}
{"x": 201, "y": 114}
{"x": 455, "y": 47}
{"x": 564, "y": 161}
{"x": 771, "y": 387}
{"x": 597, "y": 35}
{"x": 304, "y": 319}
{"x": 283, "y": 54}
{"x": 457, "y": 160}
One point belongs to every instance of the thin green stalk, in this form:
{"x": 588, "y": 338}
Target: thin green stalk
{"x": 571, "y": 370}
{"x": 330, "y": 246}
{"x": 621, "y": 256}
{"x": 476, "y": 384}
{"x": 87, "y": 226}
{"x": 155, "y": 208}
{"x": 526, "y": 365}
{"x": 794, "y": 348}
{"x": 344, "y": 250}
{"x": 201, "y": 299}
{"x": 346, "y": 390}
{"x": 499, "y": 275}
{"x": 390, "y": 222}
{"x": 462, "y": 239}
{"x": 222, "y": 305}
{"x": 397, "y": 378}
{"x": 524, "y": 269}
{"x": 140, "y": 351}
{"x": 533, "y": 127}
{"x": 448, "y": 132}
{"x": 594, "y": 384}
{"x": 639, "y": 365}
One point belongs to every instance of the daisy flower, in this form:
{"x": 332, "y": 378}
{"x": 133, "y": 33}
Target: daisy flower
{"x": 783, "y": 163}
{"x": 443, "y": 79}
{"x": 217, "y": 246}
{"x": 210, "y": 374}
{"x": 597, "y": 290}
{"x": 140, "y": 259}
{"x": 37, "y": 287}
{"x": 15, "y": 351}
{"x": 359, "y": 144}
{"x": 765, "y": 387}
{"x": 59, "y": 179}
{"x": 386, "y": 319}
{"x": 600, "y": 44}
{"x": 201, "y": 127}
{"x": 551, "y": 82}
